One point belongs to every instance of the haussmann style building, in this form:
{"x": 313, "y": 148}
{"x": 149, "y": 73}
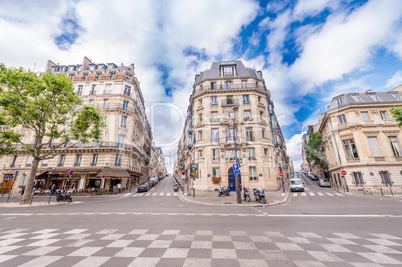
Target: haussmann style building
{"x": 231, "y": 113}
{"x": 123, "y": 156}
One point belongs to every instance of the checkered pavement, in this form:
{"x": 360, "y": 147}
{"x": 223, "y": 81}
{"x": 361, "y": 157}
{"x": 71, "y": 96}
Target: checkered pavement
{"x": 151, "y": 194}
{"x": 173, "y": 247}
{"x": 317, "y": 194}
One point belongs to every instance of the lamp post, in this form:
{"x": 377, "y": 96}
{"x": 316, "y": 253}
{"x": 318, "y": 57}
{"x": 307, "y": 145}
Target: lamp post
{"x": 237, "y": 182}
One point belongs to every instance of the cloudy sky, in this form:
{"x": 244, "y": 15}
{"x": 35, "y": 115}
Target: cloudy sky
{"x": 308, "y": 50}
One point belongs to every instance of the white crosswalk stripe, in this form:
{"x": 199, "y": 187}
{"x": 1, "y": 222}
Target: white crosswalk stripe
{"x": 163, "y": 194}
{"x": 316, "y": 194}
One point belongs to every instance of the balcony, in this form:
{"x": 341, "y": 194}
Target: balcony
{"x": 248, "y": 119}
{"x": 107, "y": 92}
{"x": 214, "y": 120}
{"x": 248, "y": 86}
{"x": 230, "y": 102}
{"x": 231, "y": 139}
{"x": 250, "y": 139}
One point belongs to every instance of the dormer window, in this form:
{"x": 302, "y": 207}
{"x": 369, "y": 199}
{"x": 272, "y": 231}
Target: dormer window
{"x": 375, "y": 97}
{"x": 357, "y": 98}
{"x": 339, "y": 101}
{"x": 397, "y": 96}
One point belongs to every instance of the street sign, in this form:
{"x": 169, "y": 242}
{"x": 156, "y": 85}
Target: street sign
{"x": 183, "y": 173}
{"x": 343, "y": 172}
{"x": 281, "y": 174}
{"x": 8, "y": 177}
{"x": 70, "y": 173}
{"x": 235, "y": 167}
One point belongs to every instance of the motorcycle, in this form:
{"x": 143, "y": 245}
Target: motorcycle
{"x": 224, "y": 191}
{"x": 246, "y": 194}
{"x": 259, "y": 195}
{"x": 60, "y": 196}
{"x": 176, "y": 188}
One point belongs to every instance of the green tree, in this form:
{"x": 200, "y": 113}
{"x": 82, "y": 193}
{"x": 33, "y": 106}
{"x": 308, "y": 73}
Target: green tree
{"x": 315, "y": 150}
{"x": 397, "y": 114}
{"x": 47, "y": 106}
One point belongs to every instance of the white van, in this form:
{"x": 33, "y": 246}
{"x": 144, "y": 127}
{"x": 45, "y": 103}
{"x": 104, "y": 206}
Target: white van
{"x": 296, "y": 185}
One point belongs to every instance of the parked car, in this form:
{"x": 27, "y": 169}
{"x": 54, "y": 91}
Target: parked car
{"x": 296, "y": 185}
{"x": 143, "y": 187}
{"x": 324, "y": 183}
{"x": 155, "y": 180}
{"x": 314, "y": 177}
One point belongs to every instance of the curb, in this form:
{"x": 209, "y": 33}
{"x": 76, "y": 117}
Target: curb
{"x": 183, "y": 198}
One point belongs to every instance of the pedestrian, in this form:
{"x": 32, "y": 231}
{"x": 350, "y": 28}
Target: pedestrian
{"x": 22, "y": 190}
{"x": 53, "y": 189}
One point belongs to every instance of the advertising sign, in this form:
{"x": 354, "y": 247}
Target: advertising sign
{"x": 194, "y": 170}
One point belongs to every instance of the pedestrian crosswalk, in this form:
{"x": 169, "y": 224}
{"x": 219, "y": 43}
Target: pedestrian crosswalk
{"x": 304, "y": 194}
{"x": 150, "y": 194}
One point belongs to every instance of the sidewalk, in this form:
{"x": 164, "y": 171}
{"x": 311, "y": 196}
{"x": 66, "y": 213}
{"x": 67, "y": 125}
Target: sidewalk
{"x": 212, "y": 198}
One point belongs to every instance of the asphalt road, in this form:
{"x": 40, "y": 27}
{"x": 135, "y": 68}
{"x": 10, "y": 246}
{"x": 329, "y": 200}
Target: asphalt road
{"x": 157, "y": 228}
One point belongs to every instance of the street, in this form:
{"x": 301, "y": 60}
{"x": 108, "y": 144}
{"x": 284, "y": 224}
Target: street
{"x": 320, "y": 228}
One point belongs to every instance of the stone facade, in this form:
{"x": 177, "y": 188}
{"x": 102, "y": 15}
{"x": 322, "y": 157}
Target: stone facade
{"x": 226, "y": 97}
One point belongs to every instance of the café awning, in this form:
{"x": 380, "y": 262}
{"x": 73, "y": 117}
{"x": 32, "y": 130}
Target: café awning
{"x": 114, "y": 173}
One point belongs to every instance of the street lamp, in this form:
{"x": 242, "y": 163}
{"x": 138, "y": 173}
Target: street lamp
{"x": 237, "y": 182}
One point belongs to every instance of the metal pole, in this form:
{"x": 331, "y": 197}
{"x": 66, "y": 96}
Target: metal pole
{"x": 237, "y": 182}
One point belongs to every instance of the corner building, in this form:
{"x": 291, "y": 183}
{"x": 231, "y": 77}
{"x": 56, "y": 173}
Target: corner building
{"x": 123, "y": 156}
{"x": 231, "y": 110}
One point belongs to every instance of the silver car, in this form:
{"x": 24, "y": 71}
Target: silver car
{"x": 324, "y": 183}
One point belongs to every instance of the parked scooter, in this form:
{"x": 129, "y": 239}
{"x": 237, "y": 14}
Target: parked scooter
{"x": 246, "y": 194}
{"x": 60, "y": 196}
{"x": 259, "y": 195}
{"x": 176, "y": 187}
{"x": 223, "y": 190}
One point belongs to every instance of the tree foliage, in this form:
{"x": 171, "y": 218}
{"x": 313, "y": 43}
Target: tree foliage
{"x": 47, "y": 106}
{"x": 397, "y": 114}
{"x": 315, "y": 150}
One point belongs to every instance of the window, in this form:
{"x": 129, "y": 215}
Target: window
{"x": 228, "y": 71}
{"x": 24, "y": 179}
{"x": 45, "y": 162}
{"x": 246, "y": 99}
{"x": 357, "y": 98}
{"x": 342, "y": 119}
{"x": 375, "y": 97}
{"x": 249, "y": 134}
{"x": 385, "y": 178}
{"x": 117, "y": 161}
{"x": 121, "y": 141}
{"x": 228, "y": 85}
{"x": 79, "y": 90}
{"x": 128, "y": 78}
{"x": 213, "y": 85}
{"x": 261, "y": 115}
{"x": 396, "y": 95}
{"x": 94, "y": 160}
{"x": 215, "y": 135}
{"x": 61, "y": 160}
{"x": 250, "y": 153}
{"x": 229, "y": 99}
{"x": 77, "y": 161}
{"x": 263, "y": 132}
{"x": 350, "y": 149}
{"x": 214, "y": 116}
{"x": 200, "y": 153}
{"x": 98, "y": 77}
{"x": 243, "y": 84}
{"x": 384, "y": 115}
{"x": 125, "y": 105}
{"x": 214, "y": 101}
{"x": 91, "y": 102}
{"x": 365, "y": 115}
{"x": 259, "y": 99}
{"x": 215, "y": 154}
{"x": 358, "y": 178}
{"x": 375, "y": 148}
{"x": 230, "y": 134}
{"x": 252, "y": 173}
{"x": 339, "y": 101}
{"x": 112, "y": 76}
{"x": 265, "y": 151}
{"x": 14, "y": 161}
{"x": 215, "y": 172}
{"x": 200, "y": 117}
{"x": 199, "y": 135}
{"x": 84, "y": 77}
{"x": 200, "y": 102}
{"x": 396, "y": 147}
{"x": 229, "y": 114}
{"x": 127, "y": 91}
{"x": 71, "y": 77}
{"x": 230, "y": 155}
{"x": 247, "y": 115}
{"x": 93, "y": 90}
{"x": 105, "y": 103}
{"x": 123, "y": 121}
{"x": 29, "y": 161}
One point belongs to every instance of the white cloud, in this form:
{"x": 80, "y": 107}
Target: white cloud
{"x": 294, "y": 148}
{"x": 395, "y": 80}
{"x": 305, "y": 8}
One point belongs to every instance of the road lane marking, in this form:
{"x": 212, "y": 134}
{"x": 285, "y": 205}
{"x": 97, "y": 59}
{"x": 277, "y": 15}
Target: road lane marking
{"x": 147, "y": 194}
{"x": 161, "y": 194}
{"x": 329, "y": 194}
{"x": 312, "y": 194}
{"x": 126, "y": 195}
{"x": 168, "y": 194}
{"x": 295, "y": 194}
{"x": 320, "y": 194}
{"x": 303, "y": 194}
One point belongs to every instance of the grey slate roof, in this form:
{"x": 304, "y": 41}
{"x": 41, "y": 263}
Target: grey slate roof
{"x": 214, "y": 71}
{"x": 365, "y": 98}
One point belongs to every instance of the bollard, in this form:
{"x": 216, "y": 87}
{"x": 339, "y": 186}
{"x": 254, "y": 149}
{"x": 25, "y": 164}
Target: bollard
{"x": 31, "y": 199}
{"x": 382, "y": 193}
{"x": 49, "y": 199}
{"x": 390, "y": 189}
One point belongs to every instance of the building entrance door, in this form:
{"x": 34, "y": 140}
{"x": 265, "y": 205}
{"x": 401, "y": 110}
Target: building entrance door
{"x": 232, "y": 180}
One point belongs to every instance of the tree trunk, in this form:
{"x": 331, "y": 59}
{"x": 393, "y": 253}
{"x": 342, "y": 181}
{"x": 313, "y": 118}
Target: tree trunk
{"x": 26, "y": 198}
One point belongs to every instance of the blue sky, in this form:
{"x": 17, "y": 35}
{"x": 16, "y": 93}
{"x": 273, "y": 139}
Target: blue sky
{"x": 308, "y": 50}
